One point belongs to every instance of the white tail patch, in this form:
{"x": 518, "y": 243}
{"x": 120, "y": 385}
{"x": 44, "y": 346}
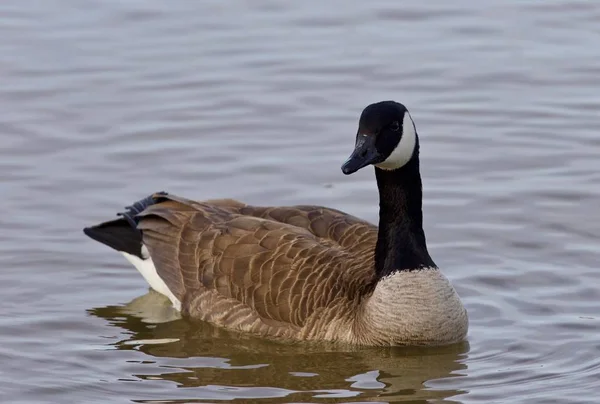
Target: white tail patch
{"x": 148, "y": 270}
{"x": 405, "y": 148}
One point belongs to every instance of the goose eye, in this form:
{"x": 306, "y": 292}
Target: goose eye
{"x": 395, "y": 126}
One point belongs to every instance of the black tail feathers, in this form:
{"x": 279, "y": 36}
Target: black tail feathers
{"x": 122, "y": 234}
{"x": 117, "y": 234}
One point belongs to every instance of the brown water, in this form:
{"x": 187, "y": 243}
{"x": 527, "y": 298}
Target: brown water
{"x": 104, "y": 102}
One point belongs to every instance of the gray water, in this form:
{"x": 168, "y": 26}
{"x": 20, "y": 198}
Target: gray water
{"x": 104, "y": 102}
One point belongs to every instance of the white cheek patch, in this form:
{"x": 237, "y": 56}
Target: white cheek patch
{"x": 405, "y": 148}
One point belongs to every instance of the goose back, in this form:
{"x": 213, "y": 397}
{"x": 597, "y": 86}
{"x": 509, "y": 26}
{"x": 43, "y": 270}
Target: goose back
{"x": 272, "y": 271}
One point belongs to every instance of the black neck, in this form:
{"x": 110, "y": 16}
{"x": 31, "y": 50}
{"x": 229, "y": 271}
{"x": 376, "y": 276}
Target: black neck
{"x": 401, "y": 242}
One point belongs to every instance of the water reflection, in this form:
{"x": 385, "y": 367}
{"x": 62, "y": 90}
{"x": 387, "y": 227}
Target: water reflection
{"x": 200, "y": 357}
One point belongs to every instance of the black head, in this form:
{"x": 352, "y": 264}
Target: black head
{"x": 386, "y": 138}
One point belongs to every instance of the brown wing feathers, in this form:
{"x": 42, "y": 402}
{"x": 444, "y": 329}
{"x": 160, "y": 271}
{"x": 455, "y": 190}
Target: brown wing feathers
{"x": 281, "y": 263}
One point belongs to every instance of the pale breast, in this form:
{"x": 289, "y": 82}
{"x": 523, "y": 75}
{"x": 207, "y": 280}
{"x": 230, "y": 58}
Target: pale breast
{"x": 416, "y": 308}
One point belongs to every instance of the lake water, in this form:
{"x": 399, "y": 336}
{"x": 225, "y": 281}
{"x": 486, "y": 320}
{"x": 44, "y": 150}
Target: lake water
{"x": 104, "y": 102}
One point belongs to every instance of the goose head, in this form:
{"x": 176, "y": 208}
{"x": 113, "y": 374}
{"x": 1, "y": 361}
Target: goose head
{"x": 386, "y": 138}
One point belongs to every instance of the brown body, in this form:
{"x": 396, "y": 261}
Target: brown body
{"x": 284, "y": 271}
{"x": 301, "y": 273}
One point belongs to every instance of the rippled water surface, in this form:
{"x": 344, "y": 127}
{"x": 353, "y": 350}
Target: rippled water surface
{"x": 104, "y": 102}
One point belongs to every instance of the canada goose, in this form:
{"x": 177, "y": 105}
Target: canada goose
{"x": 303, "y": 272}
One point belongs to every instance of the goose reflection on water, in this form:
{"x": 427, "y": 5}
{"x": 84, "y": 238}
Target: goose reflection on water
{"x": 212, "y": 363}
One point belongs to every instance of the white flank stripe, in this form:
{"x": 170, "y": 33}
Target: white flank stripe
{"x": 148, "y": 271}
